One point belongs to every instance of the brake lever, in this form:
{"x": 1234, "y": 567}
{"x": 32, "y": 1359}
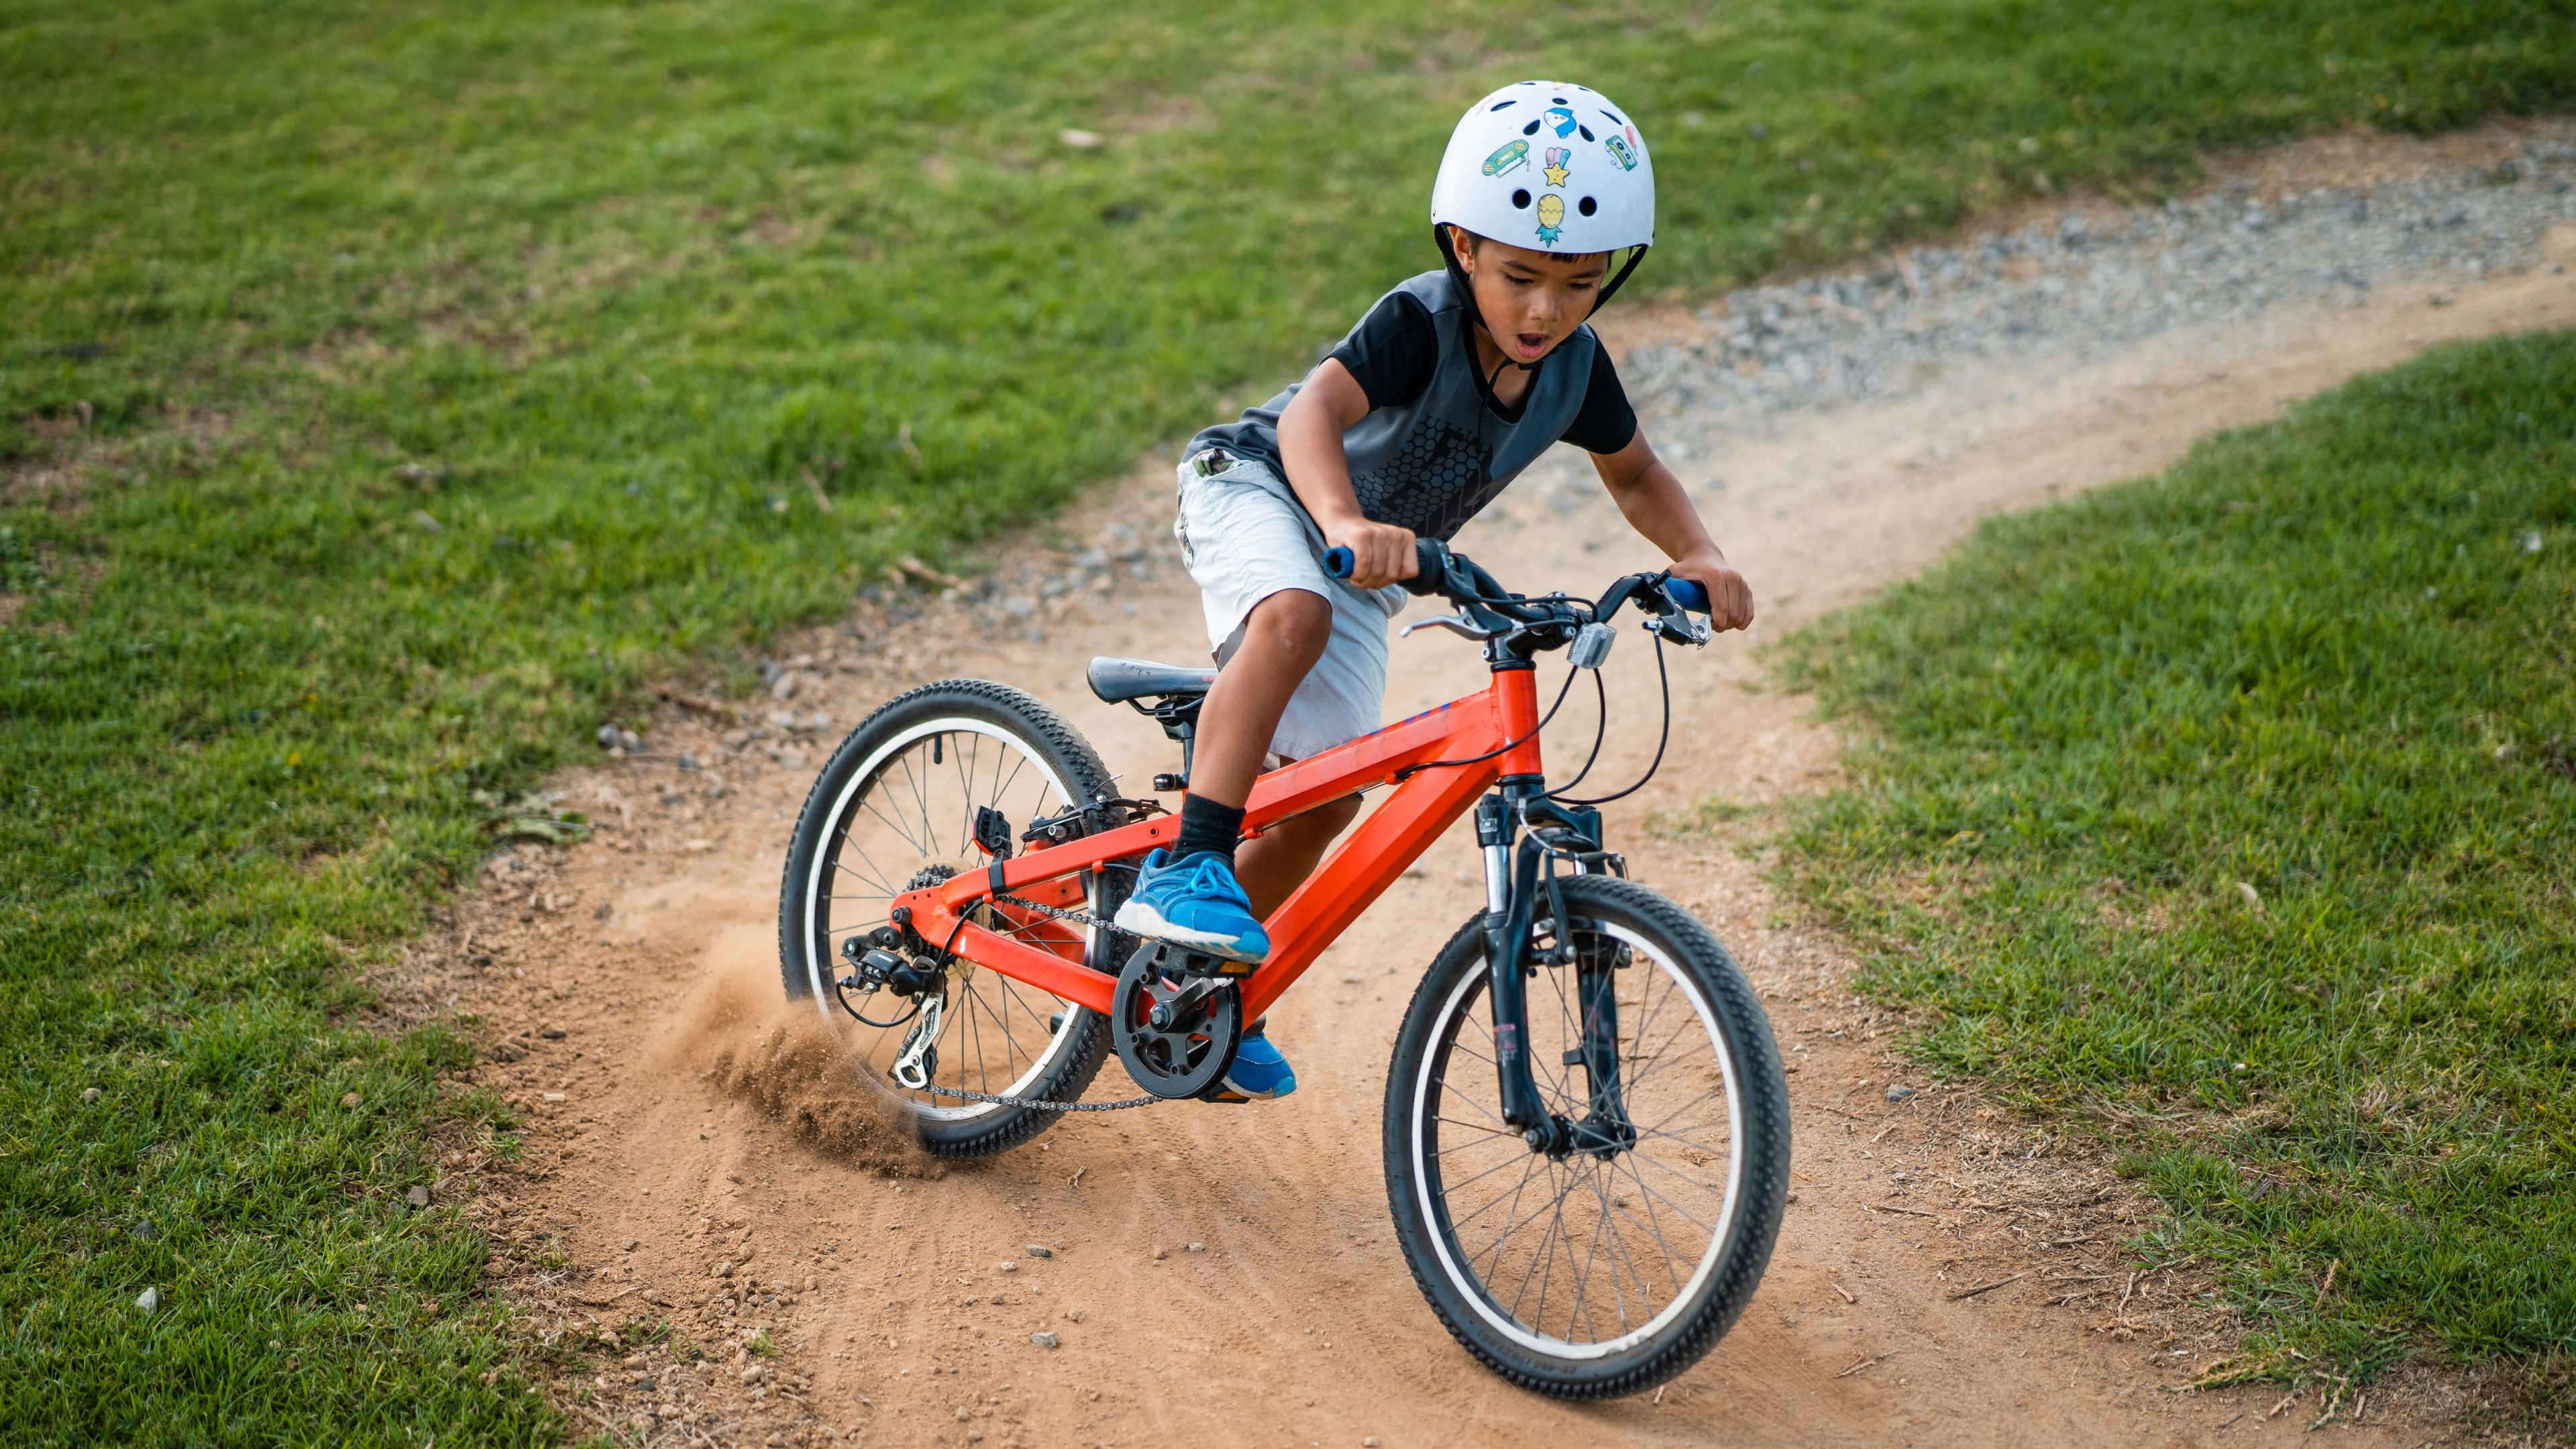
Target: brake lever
{"x": 1683, "y": 628}
{"x": 1463, "y": 625}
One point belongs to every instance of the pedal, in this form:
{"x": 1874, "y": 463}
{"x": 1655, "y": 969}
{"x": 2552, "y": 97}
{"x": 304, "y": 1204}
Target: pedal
{"x": 1200, "y": 963}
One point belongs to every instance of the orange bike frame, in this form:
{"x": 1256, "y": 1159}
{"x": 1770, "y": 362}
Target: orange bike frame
{"x": 1423, "y": 803}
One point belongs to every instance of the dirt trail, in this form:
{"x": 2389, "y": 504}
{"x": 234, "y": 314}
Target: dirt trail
{"x": 1226, "y": 1275}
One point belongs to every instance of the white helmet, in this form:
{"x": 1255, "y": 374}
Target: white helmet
{"x": 1552, "y": 167}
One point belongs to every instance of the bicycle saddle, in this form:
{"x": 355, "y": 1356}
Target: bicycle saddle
{"x": 1117, "y": 681}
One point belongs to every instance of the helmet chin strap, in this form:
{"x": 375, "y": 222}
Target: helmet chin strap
{"x": 1440, "y": 234}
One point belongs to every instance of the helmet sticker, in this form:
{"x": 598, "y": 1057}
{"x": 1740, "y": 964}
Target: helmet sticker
{"x": 1619, "y": 152}
{"x": 1559, "y": 161}
{"x": 1508, "y": 159}
{"x": 1562, "y": 119}
{"x": 1551, "y": 218}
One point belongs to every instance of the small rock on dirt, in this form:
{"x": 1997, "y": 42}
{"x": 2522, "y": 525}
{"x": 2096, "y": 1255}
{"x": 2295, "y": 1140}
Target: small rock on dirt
{"x": 1161, "y": 1252}
{"x": 1036, "y": 1250}
{"x": 1896, "y": 1093}
{"x": 552, "y": 1033}
{"x": 1009, "y": 1266}
{"x": 608, "y": 737}
{"x": 418, "y": 1196}
{"x": 503, "y": 1052}
{"x": 1198, "y": 1247}
{"x": 1046, "y": 1340}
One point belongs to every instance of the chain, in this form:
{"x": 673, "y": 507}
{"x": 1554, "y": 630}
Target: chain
{"x": 1035, "y": 1105}
{"x": 1058, "y": 913}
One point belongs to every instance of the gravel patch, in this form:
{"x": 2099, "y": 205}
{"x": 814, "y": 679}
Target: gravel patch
{"x": 2087, "y": 285}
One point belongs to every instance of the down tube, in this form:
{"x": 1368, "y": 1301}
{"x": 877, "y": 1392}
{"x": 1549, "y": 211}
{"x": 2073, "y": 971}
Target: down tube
{"x": 1393, "y": 837}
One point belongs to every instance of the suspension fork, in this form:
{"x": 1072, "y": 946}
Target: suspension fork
{"x": 1514, "y": 858}
{"x": 1511, "y": 902}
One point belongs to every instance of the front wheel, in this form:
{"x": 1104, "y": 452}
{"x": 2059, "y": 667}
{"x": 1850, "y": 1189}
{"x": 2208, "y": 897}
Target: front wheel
{"x": 1615, "y": 1263}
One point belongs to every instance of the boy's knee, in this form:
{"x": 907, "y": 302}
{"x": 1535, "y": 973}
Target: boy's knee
{"x": 1296, "y": 622}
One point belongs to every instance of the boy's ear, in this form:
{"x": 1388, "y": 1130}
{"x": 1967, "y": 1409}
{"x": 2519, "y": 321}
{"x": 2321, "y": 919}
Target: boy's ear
{"x": 1463, "y": 246}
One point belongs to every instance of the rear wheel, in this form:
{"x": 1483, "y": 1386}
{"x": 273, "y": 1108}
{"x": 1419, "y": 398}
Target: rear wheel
{"x": 895, "y": 809}
{"x": 1609, "y": 1268}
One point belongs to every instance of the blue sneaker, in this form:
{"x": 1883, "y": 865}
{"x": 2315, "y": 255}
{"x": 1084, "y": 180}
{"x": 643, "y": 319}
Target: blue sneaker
{"x": 1259, "y": 1071}
{"x": 1194, "y": 903}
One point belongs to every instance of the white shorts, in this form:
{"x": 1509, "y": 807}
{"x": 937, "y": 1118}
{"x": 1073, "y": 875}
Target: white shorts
{"x": 1244, "y": 538}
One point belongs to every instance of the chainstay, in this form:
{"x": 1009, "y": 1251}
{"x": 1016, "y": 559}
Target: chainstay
{"x": 1032, "y": 1103}
{"x": 1053, "y": 913}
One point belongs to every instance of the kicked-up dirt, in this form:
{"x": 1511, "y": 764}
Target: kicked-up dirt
{"x": 701, "y": 1158}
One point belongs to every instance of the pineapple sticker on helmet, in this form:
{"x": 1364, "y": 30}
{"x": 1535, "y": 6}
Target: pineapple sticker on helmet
{"x": 1551, "y": 219}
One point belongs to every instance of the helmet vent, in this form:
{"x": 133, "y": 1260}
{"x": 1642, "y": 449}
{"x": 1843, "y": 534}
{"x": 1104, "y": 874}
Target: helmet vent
{"x": 1520, "y": 201}
{"x": 1586, "y": 132}
{"x": 1587, "y": 206}
{"x": 1530, "y": 130}
{"x": 1505, "y": 106}
{"x": 1605, "y": 115}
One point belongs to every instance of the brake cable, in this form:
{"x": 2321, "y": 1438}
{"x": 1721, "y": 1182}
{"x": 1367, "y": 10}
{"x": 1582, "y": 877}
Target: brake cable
{"x": 1663, "y": 738}
{"x": 1561, "y": 691}
{"x": 1601, "y": 731}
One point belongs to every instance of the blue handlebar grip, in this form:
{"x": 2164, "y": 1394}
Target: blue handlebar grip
{"x": 1337, "y": 562}
{"x": 1689, "y": 593}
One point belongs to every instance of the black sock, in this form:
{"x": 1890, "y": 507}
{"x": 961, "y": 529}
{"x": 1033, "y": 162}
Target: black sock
{"x": 1206, "y": 825}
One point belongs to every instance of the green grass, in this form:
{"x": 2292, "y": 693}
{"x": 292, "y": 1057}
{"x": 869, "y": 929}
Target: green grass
{"x": 2328, "y": 660}
{"x": 386, "y": 391}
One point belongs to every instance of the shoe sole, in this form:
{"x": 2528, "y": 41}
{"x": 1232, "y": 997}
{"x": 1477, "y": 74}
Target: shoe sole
{"x": 1144, "y": 920}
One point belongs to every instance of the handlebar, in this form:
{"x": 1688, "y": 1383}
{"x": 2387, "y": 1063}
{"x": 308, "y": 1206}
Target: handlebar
{"x": 1431, "y": 568}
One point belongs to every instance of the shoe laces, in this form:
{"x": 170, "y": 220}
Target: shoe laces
{"x": 1211, "y": 877}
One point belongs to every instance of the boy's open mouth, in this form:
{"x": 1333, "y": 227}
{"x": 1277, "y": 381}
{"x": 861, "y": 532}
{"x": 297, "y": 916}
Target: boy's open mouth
{"x": 1530, "y": 344}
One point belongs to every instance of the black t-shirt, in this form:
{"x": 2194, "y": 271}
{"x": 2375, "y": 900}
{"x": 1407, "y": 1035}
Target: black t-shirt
{"x": 1393, "y": 351}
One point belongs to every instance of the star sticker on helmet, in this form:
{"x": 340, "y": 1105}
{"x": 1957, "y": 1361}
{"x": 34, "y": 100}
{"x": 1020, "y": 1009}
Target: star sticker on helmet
{"x": 1559, "y": 164}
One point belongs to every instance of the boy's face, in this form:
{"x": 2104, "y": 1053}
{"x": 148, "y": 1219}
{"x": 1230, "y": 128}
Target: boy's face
{"x": 1531, "y": 300}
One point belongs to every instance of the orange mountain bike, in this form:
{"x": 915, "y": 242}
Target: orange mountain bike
{"x": 1586, "y": 1128}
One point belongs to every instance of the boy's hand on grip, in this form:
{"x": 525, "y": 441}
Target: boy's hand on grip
{"x": 1381, "y": 553}
{"x": 1730, "y": 598}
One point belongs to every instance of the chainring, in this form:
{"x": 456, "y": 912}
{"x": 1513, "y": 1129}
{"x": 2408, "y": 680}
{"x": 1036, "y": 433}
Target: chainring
{"x": 1189, "y": 1053}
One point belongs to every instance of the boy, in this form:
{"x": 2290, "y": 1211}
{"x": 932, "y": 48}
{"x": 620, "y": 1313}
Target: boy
{"x": 1450, "y": 386}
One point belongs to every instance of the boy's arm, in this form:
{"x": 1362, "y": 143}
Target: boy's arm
{"x": 1310, "y": 444}
{"x": 1655, "y": 504}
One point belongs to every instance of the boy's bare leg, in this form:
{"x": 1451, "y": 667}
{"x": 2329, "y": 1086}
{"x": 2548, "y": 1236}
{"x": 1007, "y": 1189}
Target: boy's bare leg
{"x": 1271, "y": 865}
{"x": 1283, "y": 636}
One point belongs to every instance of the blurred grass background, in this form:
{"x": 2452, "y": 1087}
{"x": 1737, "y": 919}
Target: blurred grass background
{"x": 386, "y": 393}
